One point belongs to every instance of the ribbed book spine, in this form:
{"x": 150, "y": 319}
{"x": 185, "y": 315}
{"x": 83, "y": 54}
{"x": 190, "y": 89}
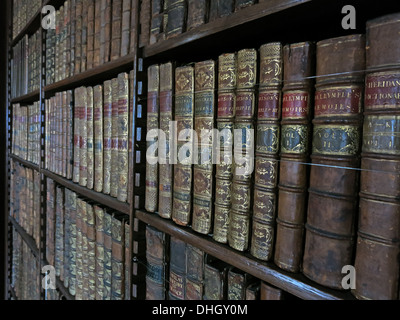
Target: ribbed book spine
{"x": 97, "y": 31}
{"x": 77, "y": 120}
{"x": 183, "y": 170}
{"x": 78, "y": 36}
{"x": 98, "y": 137}
{"x": 116, "y": 28}
{"x": 177, "y": 269}
{"x": 105, "y": 31}
{"x": 90, "y": 34}
{"x": 99, "y": 269}
{"x": 242, "y": 185}
{"x": 90, "y": 138}
{"x": 107, "y": 136}
{"x": 70, "y": 134}
{"x": 204, "y": 123}
{"x": 153, "y": 113}
{"x": 126, "y": 27}
{"x": 114, "y": 176}
{"x": 117, "y": 258}
{"x": 267, "y": 151}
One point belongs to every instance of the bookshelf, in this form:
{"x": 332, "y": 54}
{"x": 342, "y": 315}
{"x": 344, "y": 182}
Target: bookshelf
{"x": 287, "y": 21}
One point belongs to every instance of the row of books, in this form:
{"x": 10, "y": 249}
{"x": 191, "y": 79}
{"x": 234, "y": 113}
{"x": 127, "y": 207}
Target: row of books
{"x": 23, "y": 12}
{"x": 162, "y": 20}
{"x": 88, "y": 34}
{"x": 26, "y": 132}
{"x": 25, "y": 65}
{"x": 25, "y": 270}
{"x": 179, "y": 271}
{"x": 25, "y": 199}
{"x": 323, "y": 120}
{"x": 90, "y": 246}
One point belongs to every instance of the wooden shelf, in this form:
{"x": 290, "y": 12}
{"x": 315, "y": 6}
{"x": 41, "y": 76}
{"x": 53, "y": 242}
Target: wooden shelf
{"x": 93, "y": 76}
{"x": 25, "y": 236}
{"x": 25, "y": 162}
{"x": 294, "y": 283}
{"x": 26, "y": 98}
{"x": 101, "y": 198}
{"x": 32, "y": 26}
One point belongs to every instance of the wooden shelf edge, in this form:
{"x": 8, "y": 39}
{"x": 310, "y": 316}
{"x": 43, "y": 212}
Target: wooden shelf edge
{"x": 25, "y": 236}
{"x": 29, "y": 97}
{"x": 101, "y": 198}
{"x": 32, "y": 23}
{"x": 25, "y": 162}
{"x": 74, "y": 81}
{"x": 245, "y": 15}
{"x": 294, "y": 283}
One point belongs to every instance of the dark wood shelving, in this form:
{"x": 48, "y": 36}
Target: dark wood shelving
{"x": 26, "y": 98}
{"x": 101, "y": 198}
{"x": 32, "y": 26}
{"x": 294, "y": 283}
{"x": 25, "y": 162}
{"x": 93, "y": 76}
{"x": 63, "y": 289}
{"x": 25, "y": 236}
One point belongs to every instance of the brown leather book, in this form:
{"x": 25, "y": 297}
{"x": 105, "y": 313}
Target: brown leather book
{"x": 99, "y": 268}
{"x": 105, "y": 31}
{"x": 107, "y": 136}
{"x": 145, "y": 22}
{"x": 85, "y": 22}
{"x": 195, "y": 262}
{"x": 335, "y": 159}
{"x": 204, "y": 123}
{"x": 243, "y": 160}
{"x": 132, "y": 100}
{"x": 83, "y": 161}
{"x": 126, "y": 27}
{"x": 183, "y": 169}
{"x": 67, "y": 38}
{"x": 70, "y": 135}
{"x": 117, "y": 257}
{"x": 197, "y": 13}
{"x": 70, "y": 202}
{"x": 80, "y": 250}
{"x": 91, "y": 249}
{"x": 221, "y": 8}
{"x": 227, "y": 74}
{"x": 90, "y": 138}
{"x": 153, "y": 114}
{"x": 176, "y": 18}
{"x": 123, "y": 136}
{"x": 97, "y": 32}
{"x": 114, "y": 173}
{"x": 299, "y": 68}
{"x": 156, "y": 254}
{"x": 98, "y": 106}
{"x": 90, "y": 35}
{"x": 134, "y": 25}
{"x": 116, "y": 28}
{"x": 50, "y": 220}
{"x": 77, "y": 111}
{"x": 59, "y": 232}
{"x": 72, "y": 41}
{"x": 177, "y": 268}
{"x": 107, "y": 235}
{"x": 215, "y": 280}
{"x": 253, "y": 291}
{"x": 78, "y": 37}
{"x": 269, "y": 292}
{"x": 238, "y": 281}
{"x": 378, "y": 224}
{"x": 166, "y": 169}
{"x": 267, "y": 151}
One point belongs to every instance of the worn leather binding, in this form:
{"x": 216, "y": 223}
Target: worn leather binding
{"x": 107, "y": 136}
{"x": 50, "y": 220}
{"x": 91, "y": 250}
{"x": 99, "y": 256}
{"x": 107, "y": 235}
{"x": 98, "y": 106}
{"x": 195, "y": 263}
{"x": 77, "y": 111}
{"x": 176, "y": 18}
{"x": 90, "y": 34}
{"x": 177, "y": 269}
{"x": 334, "y": 178}
{"x": 204, "y": 123}
{"x": 83, "y": 173}
{"x": 183, "y": 169}
{"x": 126, "y": 27}
{"x": 90, "y": 138}
{"x": 253, "y": 291}
{"x": 378, "y": 246}
{"x": 70, "y": 135}
{"x": 78, "y": 37}
{"x": 299, "y": 67}
{"x": 269, "y": 292}
{"x": 243, "y": 160}
{"x": 123, "y": 136}
{"x": 64, "y": 121}
{"x": 59, "y": 232}
{"x": 117, "y": 257}
{"x": 267, "y": 151}
{"x": 197, "y": 13}
{"x": 85, "y": 7}
{"x": 215, "y": 280}
{"x": 130, "y": 135}
{"x": 116, "y": 28}
{"x": 105, "y": 31}
{"x": 114, "y": 175}
{"x": 166, "y": 116}
{"x": 72, "y": 40}
{"x": 227, "y": 73}
{"x": 156, "y": 254}
{"x": 71, "y": 204}
{"x": 97, "y": 30}
{"x": 238, "y": 282}
{"x": 153, "y": 113}
{"x": 79, "y": 249}
{"x": 221, "y": 8}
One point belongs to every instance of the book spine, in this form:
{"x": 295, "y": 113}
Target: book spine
{"x": 126, "y": 27}
{"x": 107, "y": 136}
{"x": 132, "y": 100}
{"x": 78, "y": 37}
{"x": 67, "y": 37}
{"x": 195, "y": 263}
{"x": 237, "y": 284}
{"x": 242, "y": 185}
{"x": 91, "y": 250}
{"x": 153, "y": 112}
{"x": 269, "y": 292}
{"x": 73, "y": 243}
{"x": 117, "y": 259}
{"x": 295, "y": 149}
{"x": 70, "y": 134}
{"x": 90, "y": 138}
{"x": 84, "y": 42}
{"x": 134, "y": 25}
{"x": 336, "y": 152}
{"x": 177, "y": 268}
{"x": 107, "y": 255}
{"x": 378, "y": 220}
{"x": 183, "y": 170}
{"x": 176, "y": 18}
{"x": 59, "y": 232}
{"x": 267, "y": 151}
{"x": 90, "y": 34}
{"x": 204, "y": 123}
{"x": 98, "y": 137}
{"x": 225, "y": 7}
{"x": 240, "y": 4}
{"x": 166, "y": 117}
{"x": 197, "y": 13}
{"x": 77, "y": 111}
{"x": 105, "y": 31}
{"x": 215, "y": 280}
{"x": 64, "y": 120}
{"x": 114, "y": 175}
{"x": 127, "y": 264}
{"x": 72, "y": 42}
{"x": 123, "y": 136}
{"x": 83, "y": 161}
{"x": 116, "y": 27}
{"x": 99, "y": 269}
{"x": 145, "y": 15}
{"x": 97, "y": 32}
{"x": 50, "y": 220}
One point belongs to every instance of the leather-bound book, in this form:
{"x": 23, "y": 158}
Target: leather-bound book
{"x": 97, "y": 31}
{"x": 105, "y": 31}
{"x": 132, "y": 100}
{"x": 204, "y": 123}
{"x": 70, "y": 134}
{"x": 116, "y": 28}
{"x": 80, "y": 204}
{"x": 184, "y": 116}
{"x": 145, "y": 22}
{"x": 114, "y": 173}
{"x": 135, "y": 6}
{"x": 165, "y": 166}
{"x": 156, "y": 254}
{"x": 253, "y": 291}
{"x": 267, "y": 151}
{"x": 70, "y": 202}
{"x": 157, "y": 20}
{"x": 243, "y": 159}
{"x": 107, "y": 136}
{"x": 90, "y": 138}
{"x": 107, "y": 234}
{"x": 84, "y": 274}
{"x": 215, "y": 280}
{"x": 238, "y": 281}
{"x": 378, "y": 245}
{"x": 50, "y": 220}
{"x": 83, "y": 172}
{"x": 84, "y": 42}
{"x": 91, "y": 249}
{"x": 221, "y": 8}
{"x": 195, "y": 262}
{"x": 123, "y": 136}
{"x": 77, "y": 111}
{"x": 117, "y": 257}
{"x": 59, "y": 233}
{"x": 197, "y": 13}
{"x": 72, "y": 41}
{"x": 177, "y": 269}
{"x": 99, "y": 268}
{"x": 78, "y": 36}
{"x": 335, "y": 159}
{"x": 126, "y": 27}
{"x": 90, "y": 35}
{"x": 64, "y": 120}
{"x": 128, "y": 278}
{"x": 98, "y": 106}
{"x": 176, "y": 18}
{"x": 269, "y": 292}
{"x": 153, "y": 114}
{"x": 299, "y": 68}
{"x": 227, "y": 73}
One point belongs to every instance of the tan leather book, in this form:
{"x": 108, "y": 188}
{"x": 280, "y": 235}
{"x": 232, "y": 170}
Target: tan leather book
{"x": 97, "y": 32}
{"x": 269, "y": 292}
{"x": 99, "y": 266}
{"x": 126, "y": 27}
{"x": 116, "y": 29}
{"x": 114, "y": 173}
{"x": 90, "y": 34}
{"x": 107, "y": 136}
{"x": 90, "y": 138}
{"x": 77, "y": 111}
{"x": 85, "y": 23}
{"x": 105, "y": 31}
{"x": 83, "y": 146}
{"x": 78, "y": 36}
{"x": 98, "y": 106}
